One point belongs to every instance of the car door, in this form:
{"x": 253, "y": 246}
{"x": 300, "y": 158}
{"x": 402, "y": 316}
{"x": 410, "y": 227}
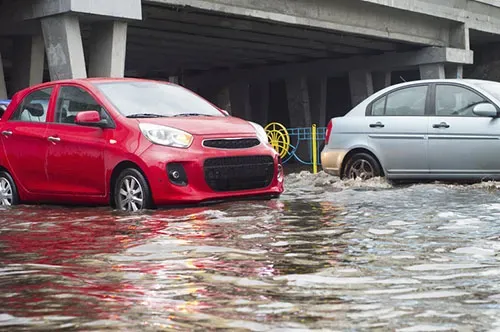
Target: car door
{"x": 24, "y": 140}
{"x": 461, "y": 143}
{"x": 398, "y": 124}
{"x": 75, "y": 157}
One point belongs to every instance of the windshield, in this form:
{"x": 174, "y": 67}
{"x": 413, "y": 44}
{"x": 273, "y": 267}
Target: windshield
{"x": 154, "y": 99}
{"x": 492, "y": 88}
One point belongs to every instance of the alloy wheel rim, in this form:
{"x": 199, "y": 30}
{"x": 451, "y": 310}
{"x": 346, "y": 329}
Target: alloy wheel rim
{"x": 131, "y": 195}
{"x": 361, "y": 169}
{"x": 5, "y": 192}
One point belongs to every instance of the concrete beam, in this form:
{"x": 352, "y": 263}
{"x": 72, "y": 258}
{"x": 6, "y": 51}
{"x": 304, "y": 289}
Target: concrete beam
{"x": 266, "y": 28}
{"x": 28, "y": 62}
{"x": 108, "y": 49}
{"x": 482, "y": 15}
{"x": 353, "y": 17}
{"x": 327, "y": 67}
{"x": 118, "y": 9}
{"x": 63, "y": 44}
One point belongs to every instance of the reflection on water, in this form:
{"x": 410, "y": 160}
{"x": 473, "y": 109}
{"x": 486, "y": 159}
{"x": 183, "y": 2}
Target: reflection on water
{"x": 327, "y": 255}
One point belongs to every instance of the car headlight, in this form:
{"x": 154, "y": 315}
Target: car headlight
{"x": 167, "y": 136}
{"x": 261, "y": 132}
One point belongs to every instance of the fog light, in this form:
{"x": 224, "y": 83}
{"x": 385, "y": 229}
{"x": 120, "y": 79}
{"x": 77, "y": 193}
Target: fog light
{"x": 177, "y": 174}
{"x": 280, "y": 173}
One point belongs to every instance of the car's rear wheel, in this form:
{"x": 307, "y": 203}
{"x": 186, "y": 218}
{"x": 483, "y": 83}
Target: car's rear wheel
{"x": 361, "y": 166}
{"x": 8, "y": 190}
{"x": 132, "y": 192}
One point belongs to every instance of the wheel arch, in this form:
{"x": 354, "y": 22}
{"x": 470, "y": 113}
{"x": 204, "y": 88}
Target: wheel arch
{"x": 120, "y": 167}
{"x": 360, "y": 150}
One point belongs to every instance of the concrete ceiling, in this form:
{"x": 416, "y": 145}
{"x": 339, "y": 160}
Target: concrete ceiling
{"x": 182, "y": 41}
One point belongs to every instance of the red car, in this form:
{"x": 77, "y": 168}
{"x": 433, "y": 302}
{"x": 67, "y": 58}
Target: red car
{"x": 135, "y": 144}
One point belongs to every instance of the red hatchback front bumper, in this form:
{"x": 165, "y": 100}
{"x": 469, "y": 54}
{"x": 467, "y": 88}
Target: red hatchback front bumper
{"x": 200, "y": 174}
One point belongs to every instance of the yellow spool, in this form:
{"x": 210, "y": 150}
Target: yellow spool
{"x": 278, "y": 137}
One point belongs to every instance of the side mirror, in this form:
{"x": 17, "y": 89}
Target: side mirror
{"x": 485, "y": 110}
{"x": 91, "y": 119}
{"x": 35, "y": 109}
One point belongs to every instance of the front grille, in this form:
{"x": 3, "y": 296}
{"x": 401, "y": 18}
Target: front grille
{"x": 239, "y": 173}
{"x": 233, "y": 143}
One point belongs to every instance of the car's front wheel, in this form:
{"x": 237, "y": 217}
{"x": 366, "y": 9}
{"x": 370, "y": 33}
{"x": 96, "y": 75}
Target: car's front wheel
{"x": 8, "y": 190}
{"x": 132, "y": 192}
{"x": 361, "y": 166}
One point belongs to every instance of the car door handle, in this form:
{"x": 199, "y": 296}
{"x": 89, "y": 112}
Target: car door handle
{"x": 377, "y": 125}
{"x": 54, "y": 139}
{"x": 441, "y": 125}
{"x": 7, "y": 133}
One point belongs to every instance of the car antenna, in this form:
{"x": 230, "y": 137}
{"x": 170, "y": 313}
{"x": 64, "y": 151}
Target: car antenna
{"x": 402, "y": 79}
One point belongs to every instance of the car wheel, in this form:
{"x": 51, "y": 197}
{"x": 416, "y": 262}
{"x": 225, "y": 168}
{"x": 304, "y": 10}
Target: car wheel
{"x": 8, "y": 190}
{"x": 361, "y": 166}
{"x": 132, "y": 192}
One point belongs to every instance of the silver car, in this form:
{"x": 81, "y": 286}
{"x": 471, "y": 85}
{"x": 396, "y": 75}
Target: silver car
{"x": 432, "y": 129}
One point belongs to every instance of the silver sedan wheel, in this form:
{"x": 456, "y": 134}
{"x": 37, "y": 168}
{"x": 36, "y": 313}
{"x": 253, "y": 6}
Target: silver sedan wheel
{"x": 131, "y": 195}
{"x": 361, "y": 169}
{"x": 6, "y": 193}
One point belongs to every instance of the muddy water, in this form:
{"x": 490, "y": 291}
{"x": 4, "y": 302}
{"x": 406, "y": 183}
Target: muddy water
{"x": 328, "y": 255}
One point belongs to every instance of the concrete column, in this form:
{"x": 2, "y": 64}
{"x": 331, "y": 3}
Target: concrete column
{"x": 361, "y": 84}
{"x": 299, "y": 108}
{"x": 108, "y": 49}
{"x": 432, "y": 71}
{"x": 63, "y": 43}
{"x": 239, "y": 94}
{"x": 317, "y": 98}
{"x": 381, "y": 80}
{"x": 3, "y": 87}
{"x": 224, "y": 99}
{"x": 28, "y": 62}
{"x": 455, "y": 71}
{"x": 259, "y": 100}
{"x": 459, "y": 37}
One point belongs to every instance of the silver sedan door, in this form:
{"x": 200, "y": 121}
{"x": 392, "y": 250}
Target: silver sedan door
{"x": 398, "y": 131}
{"x": 462, "y": 144}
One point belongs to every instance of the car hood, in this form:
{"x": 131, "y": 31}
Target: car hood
{"x": 205, "y": 125}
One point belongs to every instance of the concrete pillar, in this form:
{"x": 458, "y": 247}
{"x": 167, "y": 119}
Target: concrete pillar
{"x": 361, "y": 84}
{"x": 259, "y": 100}
{"x": 455, "y": 71}
{"x": 299, "y": 108}
{"x": 239, "y": 94}
{"x": 381, "y": 80}
{"x": 28, "y": 62}
{"x": 108, "y": 49}
{"x": 317, "y": 98}
{"x": 64, "y": 47}
{"x": 3, "y": 87}
{"x": 224, "y": 100}
{"x": 459, "y": 36}
{"x": 432, "y": 71}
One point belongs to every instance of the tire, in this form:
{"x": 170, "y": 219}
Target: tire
{"x": 361, "y": 165}
{"x": 8, "y": 190}
{"x": 126, "y": 195}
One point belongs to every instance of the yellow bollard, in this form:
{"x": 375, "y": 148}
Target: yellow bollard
{"x": 314, "y": 150}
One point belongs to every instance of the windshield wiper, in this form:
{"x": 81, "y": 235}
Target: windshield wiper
{"x": 145, "y": 115}
{"x": 191, "y": 114}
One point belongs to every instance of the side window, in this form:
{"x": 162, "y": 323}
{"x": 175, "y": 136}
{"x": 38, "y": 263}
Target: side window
{"x": 407, "y": 102}
{"x": 73, "y": 100}
{"x": 452, "y": 100}
{"x": 34, "y": 107}
{"x": 378, "y": 107}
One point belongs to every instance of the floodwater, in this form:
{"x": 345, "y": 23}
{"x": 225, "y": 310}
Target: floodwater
{"x": 328, "y": 255}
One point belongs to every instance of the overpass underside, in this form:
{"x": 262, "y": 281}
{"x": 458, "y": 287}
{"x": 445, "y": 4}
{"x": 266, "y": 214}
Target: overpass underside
{"x": 296, "y": 62}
